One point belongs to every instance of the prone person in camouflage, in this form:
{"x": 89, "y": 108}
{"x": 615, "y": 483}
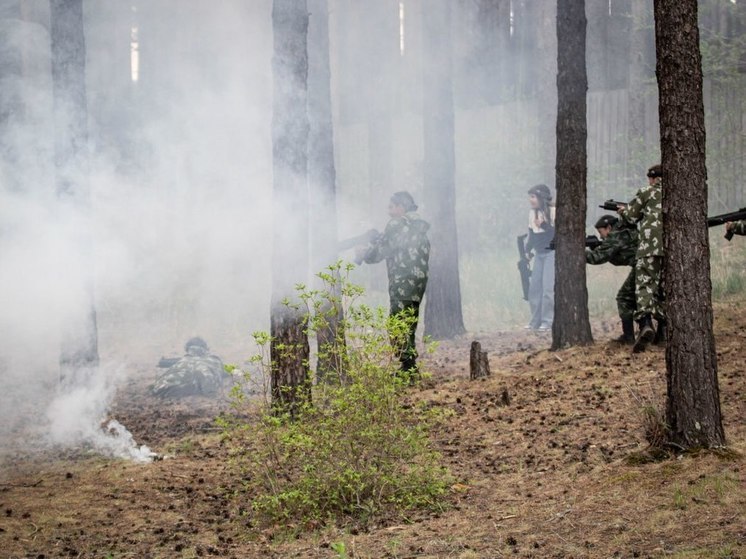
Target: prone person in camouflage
{"x": 645, "y": 209}
{"x": 197, "y": 373}
{"x": 619, "y": 247}
{"x": 737, "y": 227}
{"x": 405, "y": 247}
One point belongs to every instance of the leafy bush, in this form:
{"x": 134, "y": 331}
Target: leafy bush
{"x": 358, "y": 451}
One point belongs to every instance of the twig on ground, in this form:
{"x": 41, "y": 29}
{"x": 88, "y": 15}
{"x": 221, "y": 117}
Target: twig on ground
{"x": 35, "y": 484}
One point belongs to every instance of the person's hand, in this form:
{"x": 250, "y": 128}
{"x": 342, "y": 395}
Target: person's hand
{"x": 619, "y": 208}
{"x": 529, "y": 255}
{"x": 729, "y": 226}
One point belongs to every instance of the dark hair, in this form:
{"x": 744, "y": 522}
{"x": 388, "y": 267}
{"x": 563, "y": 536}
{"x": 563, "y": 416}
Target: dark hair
{"x": 405, "y": 200}
{"x": 606, "y": 221}
{"x": 655, "y": 171}
{"x": 541, "y": 191}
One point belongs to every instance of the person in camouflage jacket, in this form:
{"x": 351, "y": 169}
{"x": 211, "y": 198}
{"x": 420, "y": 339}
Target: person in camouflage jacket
{"x": 737, "y": 227}
{"x": 197, "y": 373}
{"x": 405, "y": 247}
{"x": 619, "y": 248}
{"x": 645, "y": 209}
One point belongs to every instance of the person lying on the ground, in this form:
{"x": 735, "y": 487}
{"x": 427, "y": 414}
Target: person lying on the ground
{"x": 197, "y": 373}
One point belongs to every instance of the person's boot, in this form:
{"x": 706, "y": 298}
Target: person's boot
{"x": 646, "y": 335}
{"x": 660, "y": 333}
{"x": 628, "y": 332}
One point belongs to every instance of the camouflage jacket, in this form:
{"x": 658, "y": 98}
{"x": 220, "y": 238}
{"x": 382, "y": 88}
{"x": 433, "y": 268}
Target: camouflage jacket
{"x": 198, "y": 373}
{"x": 405, "y": 247}
{"x": 618, "y": 248}
{"x": 645, "y": 209}
{"x": 739, "y": 227}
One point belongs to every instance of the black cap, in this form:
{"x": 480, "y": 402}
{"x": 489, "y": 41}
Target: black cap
{"x": 606, "y": 221}
{"x": 655, "y": 171}
{"x": 541, "y": 191}
{"x": 405, "y": 200}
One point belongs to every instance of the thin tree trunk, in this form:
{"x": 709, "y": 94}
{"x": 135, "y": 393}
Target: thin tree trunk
{"x": 443, "y": 315}
{"x": 693, "y": 403}
{"x": 289, "y": 350}
{"x": 79, "y": 351}
{"x": 571, "y": 323}
{"x": 322, "y": 179}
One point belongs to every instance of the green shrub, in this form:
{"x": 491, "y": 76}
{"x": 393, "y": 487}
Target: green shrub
{"x": 359, "y": 451}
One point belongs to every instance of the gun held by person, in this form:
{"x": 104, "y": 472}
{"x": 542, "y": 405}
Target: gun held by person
{"x": 612, "y": 205}
{"x": 523, "y": 265}
{"x": 591, "y": 242}
{"x": 366, "y": 239}
{"x": 722, "y": 219}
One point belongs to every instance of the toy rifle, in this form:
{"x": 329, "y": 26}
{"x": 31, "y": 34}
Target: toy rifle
{"x": 367, "y": 238}
{"x": 726, "y": 218}
{"x": 612, "y": 205}
{"x": 591, "y": 242}
{"x": 523, "y": 265}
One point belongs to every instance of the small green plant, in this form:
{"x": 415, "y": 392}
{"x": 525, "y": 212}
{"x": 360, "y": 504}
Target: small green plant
{"x": 340, "y": 549}
{"x": 355, "y": 451}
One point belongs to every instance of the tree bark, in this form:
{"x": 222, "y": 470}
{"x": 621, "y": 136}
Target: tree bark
{"x": 571, "y": 323}
{"x": 289, "y": 350}
{"x": 693, "y": 402}
{"x": 443, "y": 315}
{"x": 322, "y": 179}
{"x": 79, "y": 350}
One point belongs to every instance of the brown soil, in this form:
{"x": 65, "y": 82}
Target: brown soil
{"x": 547, "y": 476}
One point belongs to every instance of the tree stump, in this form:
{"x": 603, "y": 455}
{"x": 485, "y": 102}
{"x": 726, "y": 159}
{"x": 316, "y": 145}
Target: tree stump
{"x": 479, "y": 364}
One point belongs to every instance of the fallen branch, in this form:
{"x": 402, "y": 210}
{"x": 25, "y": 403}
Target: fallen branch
{"x": 35, "y": 484}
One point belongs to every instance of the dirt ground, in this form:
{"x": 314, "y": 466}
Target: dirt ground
{"x": 546, "y": 476}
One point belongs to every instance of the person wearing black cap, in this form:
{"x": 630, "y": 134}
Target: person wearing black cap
{"x": 405, "y": 247}
{"x": 540, "y": 236}
{"x": 619, "y": 248}
{"x": 645, "y": 209}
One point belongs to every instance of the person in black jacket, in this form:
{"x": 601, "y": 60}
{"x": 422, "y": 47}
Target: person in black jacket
{"x": 540, "y": 235}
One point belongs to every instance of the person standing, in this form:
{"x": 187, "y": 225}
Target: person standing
{"x": 619, "y": 248}
{"x": 540, "y": 235}
{"x": 406, "y": 248}
{"x": 645, "y": 210}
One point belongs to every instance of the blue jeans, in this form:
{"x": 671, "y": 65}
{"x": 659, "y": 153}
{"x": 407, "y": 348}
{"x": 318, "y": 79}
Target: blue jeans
{"x": 541, "y": 290}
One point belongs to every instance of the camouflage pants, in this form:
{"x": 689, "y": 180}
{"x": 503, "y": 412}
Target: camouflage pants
{"x": 407, "y": 348}
{"x": 626, "y": 300}
{"x": 649, "y": 287}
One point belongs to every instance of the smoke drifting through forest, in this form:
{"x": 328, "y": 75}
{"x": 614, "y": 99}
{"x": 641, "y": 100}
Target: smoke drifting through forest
{"x": 179, "y": 116}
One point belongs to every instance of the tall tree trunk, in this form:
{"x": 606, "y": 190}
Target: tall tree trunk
{"x": 693, "y": 404}
{"x": 289, "y": 350}
{"x": 443, "y": 316}
{"x": 571, "y": 323}
{"x": 322, "y": 179}
{"x": 79, "y": 351}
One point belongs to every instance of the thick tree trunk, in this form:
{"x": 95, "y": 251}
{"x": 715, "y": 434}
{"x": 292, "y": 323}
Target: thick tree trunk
{"x": 79, "y": 351}
{"x": 289, "y": 346}
{"x": 322, "y": 179}
{"x": 693, "y": 404}
{"x": 571, "y": 324}
{"x": 443, "y": 315}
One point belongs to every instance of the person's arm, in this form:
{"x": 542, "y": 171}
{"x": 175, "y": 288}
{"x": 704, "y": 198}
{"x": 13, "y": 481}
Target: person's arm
{"x": 383, "y": 246}
{"x": 602, "y": 253}
{"x": 634, "y": 211}
{"x": 737, "y": 227}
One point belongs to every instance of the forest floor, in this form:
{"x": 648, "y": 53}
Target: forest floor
{"x": 547, "y": 476}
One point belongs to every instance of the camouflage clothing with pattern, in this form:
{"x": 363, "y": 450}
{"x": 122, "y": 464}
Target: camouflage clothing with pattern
{"x": 198, "y": 373}
{"x": 645, "y": 209}
{"x": 619, "y": 248}
{"x": 739, "y": 227}
{"x": 405, "y": 247}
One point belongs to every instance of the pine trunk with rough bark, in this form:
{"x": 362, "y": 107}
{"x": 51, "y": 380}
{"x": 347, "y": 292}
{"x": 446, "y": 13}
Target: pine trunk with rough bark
{"x": 79, "y": 348}
{"x": 289, "y": 350}
{"x": 322, "y": 179}
{"x": 443, "y": 314}
{"x": 693, "y": 403}
{"x": 571, "y": 323}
